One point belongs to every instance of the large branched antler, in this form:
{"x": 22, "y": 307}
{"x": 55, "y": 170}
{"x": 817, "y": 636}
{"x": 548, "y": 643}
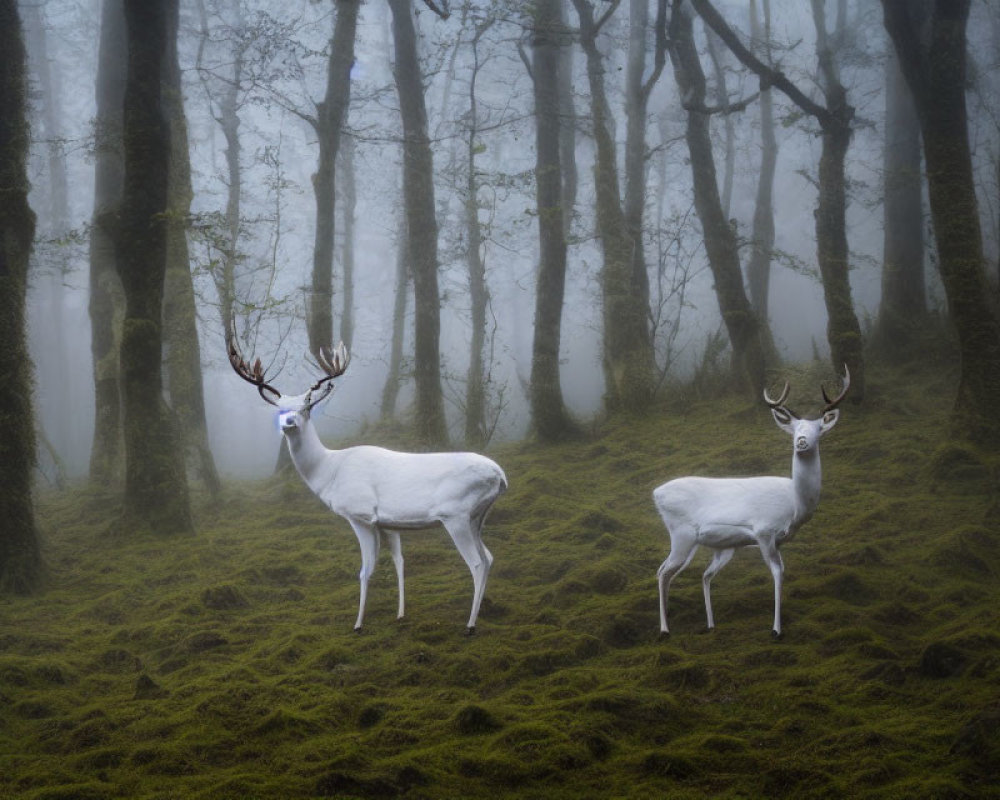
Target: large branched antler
{"x": 333, "y": 363}
{"x": 251, "y": 374}
{"x": 832, "y": 404}
{"x": 779, "y": 404}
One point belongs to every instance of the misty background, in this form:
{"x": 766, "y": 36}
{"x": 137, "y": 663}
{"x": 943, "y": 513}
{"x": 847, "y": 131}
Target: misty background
{"x": 284, "y": 51}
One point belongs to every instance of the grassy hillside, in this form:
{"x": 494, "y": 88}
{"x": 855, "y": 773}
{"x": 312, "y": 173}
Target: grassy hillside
{"x": 224, "y": 665}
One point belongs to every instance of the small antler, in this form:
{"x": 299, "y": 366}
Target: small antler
{"x": 780, "y": 401}
{"x": 832, "y": 404}
{"x": 251, "y": 374}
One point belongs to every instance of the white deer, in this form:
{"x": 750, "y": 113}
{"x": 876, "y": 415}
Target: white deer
{"x": 726, "y": 513}
{"x": 382, "y": 492}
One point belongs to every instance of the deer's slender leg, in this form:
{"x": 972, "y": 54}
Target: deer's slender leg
{"x": 466, "y": 537}
{"x": 719, "y": 559}
{"x": 368, "y": 538}
{"x": 769, "y": 550}
{"x": 681, "y": 553}
{"x": 397, "y": 558}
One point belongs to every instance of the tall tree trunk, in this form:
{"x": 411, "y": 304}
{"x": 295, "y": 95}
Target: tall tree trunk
{"x": 902, "y": 315}
{"x": 180, "y": 323}
{"x": 843, "y": 329}
{"x": 567, "y": 128}
{"x": 54, "y": 409}
{"x": 330, "y": 115}
{"x": 394, "y": 377}
{"x": 349, "y": 192}
{"x": 21, "y": 568}
{"x": 720, "y": 238}
{"x": 418, "y": 194}
{"x": 729, "y": 128}
{"x": 628, "y": 353}
{"x": 156, "y": 494}
{"x": 936, "y": 75}
{"x": 762, "y": 246}
{"x": 549, "y": 416}
{"x": 479, "y": 295}
{"x": 107, "y": 301}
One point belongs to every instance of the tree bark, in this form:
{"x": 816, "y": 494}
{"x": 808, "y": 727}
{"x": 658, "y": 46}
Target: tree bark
{"x": 180, "y": 317}
{"x": 762, "y": 246}
{"x": 21, "y": 568}
{"x": 549, "y": 416}
{"x": 843, "y": 329}
{"x": 720, "y": 238}
{"x": 479, "y": 295}
{"x": 936, "y": 74}
{"x": 156, "y": 494}
{"x": 330, "y": 115}
{"x": 902, "y": 316}
{"x": 107, "y": 301}
{"x": 394, "y": 377}
{"x": 418, "y": 193}
{"x": 349, "y": 196}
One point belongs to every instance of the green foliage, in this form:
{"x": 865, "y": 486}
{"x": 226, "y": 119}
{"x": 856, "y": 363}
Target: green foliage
{"x": 225, "y": 666}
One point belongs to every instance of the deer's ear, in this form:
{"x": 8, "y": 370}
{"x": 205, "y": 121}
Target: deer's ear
{"x": 829, "y": 420}
{"x": 782, "y": 418}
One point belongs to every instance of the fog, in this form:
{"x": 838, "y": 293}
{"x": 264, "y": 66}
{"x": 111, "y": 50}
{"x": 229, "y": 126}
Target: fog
{"x": 285, "y": 51}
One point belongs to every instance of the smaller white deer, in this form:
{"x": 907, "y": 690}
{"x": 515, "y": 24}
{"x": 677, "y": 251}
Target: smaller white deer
{"x": 726, "y": 513}
{"x": 381, "y": 492}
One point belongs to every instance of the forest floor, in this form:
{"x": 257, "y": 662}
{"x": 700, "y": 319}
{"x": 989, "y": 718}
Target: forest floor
{"x": 224, "y": 665}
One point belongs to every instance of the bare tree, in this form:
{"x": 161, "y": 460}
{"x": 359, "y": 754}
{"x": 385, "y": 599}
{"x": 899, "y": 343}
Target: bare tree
{"x": 331, "y": 112}
{"x": 628, "y": 351}
{"x": 762, "y": 246}
{"x": 902, "y": 316}
{"x": 21, "y": 569}
{"x": 180, "y": 326}
{"x": 720, "y": 238}
{"x": 930, "y": 42}
{"x": 422, "y": 228}
{"x": 834, "y": 119}
{"x": 550, "y": 419}
{"x": 107, "y": 301}
{"x": 156, "y": 494}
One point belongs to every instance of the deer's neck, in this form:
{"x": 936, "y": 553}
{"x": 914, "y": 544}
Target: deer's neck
{"x": 807, "y": 479}
{"x": 312, "y": 459}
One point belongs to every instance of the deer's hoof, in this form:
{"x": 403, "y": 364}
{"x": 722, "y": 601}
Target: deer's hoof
{"x": 664, "y": 635}
{"x": 470, "y": 630}
{"x": 357, "y": 629}
{"x": 709, "y": 630}
{"x": 776, "y": 635}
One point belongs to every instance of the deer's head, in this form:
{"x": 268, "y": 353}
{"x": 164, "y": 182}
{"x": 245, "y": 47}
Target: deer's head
{"x": 294, "y": 410}
{"x": 805, "y": 432}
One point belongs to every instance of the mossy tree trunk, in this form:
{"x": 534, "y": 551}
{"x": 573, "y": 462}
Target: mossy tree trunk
{"x": 902, "y": 315}
{"x": 550, "y": 419}
{"x": 330, "y": 115}
{"x": 834, "y": 118}
{"x": 720, "y": 238}
{"x": 394, "y": 377}
{"x": 422, "y": 238}
{"x": 843, "y": 331}
{"x": 20, "y": 557}
{"x": 932, "y": 55}
{"x": 479, "y": 293}
{"x": 180, "y": 316}
{"x": 156, "y": 494}
{"x": 107, "y": 301}
{"x": 627, "y": 346}
{"x": 762, "y": 245}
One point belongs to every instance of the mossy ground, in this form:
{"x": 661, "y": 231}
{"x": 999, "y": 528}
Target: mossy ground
{"x": 224, "y": 665}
